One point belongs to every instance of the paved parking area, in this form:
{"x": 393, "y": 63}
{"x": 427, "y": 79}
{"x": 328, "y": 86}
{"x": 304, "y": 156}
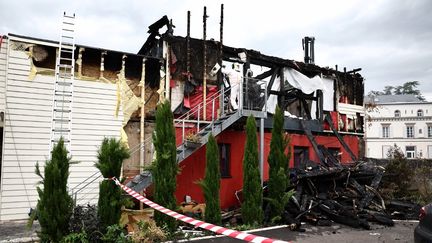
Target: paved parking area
{"x": 401, "y": 232}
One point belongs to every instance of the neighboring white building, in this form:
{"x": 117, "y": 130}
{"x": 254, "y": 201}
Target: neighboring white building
{"x": 401, "y": 120}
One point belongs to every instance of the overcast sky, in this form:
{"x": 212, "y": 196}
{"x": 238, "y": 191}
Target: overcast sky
{"x": 391, "y": 40}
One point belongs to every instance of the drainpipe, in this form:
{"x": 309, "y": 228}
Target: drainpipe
{"x": 261, "y": 158}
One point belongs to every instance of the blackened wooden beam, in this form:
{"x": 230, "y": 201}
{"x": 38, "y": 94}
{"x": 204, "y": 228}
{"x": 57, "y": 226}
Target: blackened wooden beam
{"x": 264, "y": 74}
{"x": 272, "y": 79}
{"x": 339, "y": 137}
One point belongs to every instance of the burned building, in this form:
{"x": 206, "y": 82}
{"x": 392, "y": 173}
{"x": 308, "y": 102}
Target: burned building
{"x": 212, "y": 88}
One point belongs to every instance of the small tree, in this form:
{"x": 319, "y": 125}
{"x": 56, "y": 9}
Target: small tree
{"x": 252, "y": 212}
{"x": 54, "y": 206}
{"x": 278, "y": 171}
{"x": 398, "y": 173}
{"x": 165, "y": 167}
{"x": 211, "y": 183}
{"x": 110, "y": 159}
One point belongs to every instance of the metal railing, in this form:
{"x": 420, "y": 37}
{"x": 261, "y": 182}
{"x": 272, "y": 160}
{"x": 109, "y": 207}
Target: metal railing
{"x": 252, "y": 96}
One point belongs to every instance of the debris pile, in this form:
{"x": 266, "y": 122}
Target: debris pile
{"x": 343, "y": 194}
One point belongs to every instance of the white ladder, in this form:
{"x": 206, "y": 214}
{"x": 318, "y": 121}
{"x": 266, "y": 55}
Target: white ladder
{"x": 63, "y": 86}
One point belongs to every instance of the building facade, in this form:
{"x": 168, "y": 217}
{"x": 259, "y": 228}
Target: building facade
{"x": 401, "y": 120}
{"x": 322, "y": 106}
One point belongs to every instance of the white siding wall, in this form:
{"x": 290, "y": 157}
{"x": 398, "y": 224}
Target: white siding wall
{"x": 27, "y": 133}
{"x": 3, "y": 53}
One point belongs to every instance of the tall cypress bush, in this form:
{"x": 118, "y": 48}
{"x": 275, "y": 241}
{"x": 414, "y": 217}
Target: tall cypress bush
{"x": 165, "y": 167}
{"x": 211, "y": 183}
{"x": 278, "y": 169}
{"x": 110, "y": 159}
{"x": 54, "y": 206}
{"x": 252, "y": 212}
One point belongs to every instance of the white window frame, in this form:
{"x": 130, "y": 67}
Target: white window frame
{"x": 429, "y": 130}
{"x": 410, "y": 154}
{"x": 397, "y": 113}
{"x": 409, "y": 129}
{"x": 385, "y": 130}
{"x": 419, "y": 112}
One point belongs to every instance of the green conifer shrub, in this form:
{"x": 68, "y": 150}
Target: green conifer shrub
{"x": 165, "y": 168}
{"x": 278, "y": 169}
{"x": 251, "y": 208}
{"x": 110, "y": 159}
{"x": 211, "y": 183}
{"x": 54, "y": 206}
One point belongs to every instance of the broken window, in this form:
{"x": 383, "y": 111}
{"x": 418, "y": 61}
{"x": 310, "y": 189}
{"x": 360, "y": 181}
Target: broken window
{"x": 44, "y": 56}
{"x": 301, "y": 155}
{"x": 133, "y": 67}
{"x": 112, "y": 65}
{"x": 91, "y": 62}
{"x": 224, "y": 158}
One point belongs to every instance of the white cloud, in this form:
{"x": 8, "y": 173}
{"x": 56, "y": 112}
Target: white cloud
{"x": 390, "y": 40}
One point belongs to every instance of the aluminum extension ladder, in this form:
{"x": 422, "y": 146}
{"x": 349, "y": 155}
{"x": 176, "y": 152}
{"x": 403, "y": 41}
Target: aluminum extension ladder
{"x": 63, "y": 86}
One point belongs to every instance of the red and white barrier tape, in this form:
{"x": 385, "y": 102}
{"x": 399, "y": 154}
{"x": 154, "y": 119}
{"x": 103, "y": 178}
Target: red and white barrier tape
{"x": 198, "y": 223}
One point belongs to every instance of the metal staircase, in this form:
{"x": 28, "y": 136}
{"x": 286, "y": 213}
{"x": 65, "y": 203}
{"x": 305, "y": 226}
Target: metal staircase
{"x": 215, "y": 127}
{"x": 63, "y": 86}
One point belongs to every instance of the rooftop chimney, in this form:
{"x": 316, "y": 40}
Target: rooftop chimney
{"x": 309, "y": 51}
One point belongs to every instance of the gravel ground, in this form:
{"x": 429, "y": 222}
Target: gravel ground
{"x": 16, "y": 231}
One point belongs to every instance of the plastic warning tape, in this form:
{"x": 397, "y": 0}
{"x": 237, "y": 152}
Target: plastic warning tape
{"x": 198, "y": 223}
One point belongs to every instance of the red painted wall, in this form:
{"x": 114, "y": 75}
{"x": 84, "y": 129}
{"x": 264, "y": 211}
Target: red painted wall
{"x": 192, "y": 169}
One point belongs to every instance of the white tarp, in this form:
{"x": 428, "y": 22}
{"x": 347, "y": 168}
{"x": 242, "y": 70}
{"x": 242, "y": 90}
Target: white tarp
{"x": 328, "y": 94}
{"x": 302, "y": 82}
{"x": 309, "y": 85}
{"x": 306, "y": 85}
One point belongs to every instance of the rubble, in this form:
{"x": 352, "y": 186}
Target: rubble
{"x": 345, "y": 194}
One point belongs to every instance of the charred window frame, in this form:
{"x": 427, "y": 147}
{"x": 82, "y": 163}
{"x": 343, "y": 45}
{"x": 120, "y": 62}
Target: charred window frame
{"x": 301, "y": 155}
{"x": 224, "y": 159}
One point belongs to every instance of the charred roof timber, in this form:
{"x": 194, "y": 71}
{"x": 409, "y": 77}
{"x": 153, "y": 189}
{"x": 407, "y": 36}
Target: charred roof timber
{"x": 195, "y": 57}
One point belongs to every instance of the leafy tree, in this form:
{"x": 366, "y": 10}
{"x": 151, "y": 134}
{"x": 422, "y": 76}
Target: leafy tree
{"x": 110, "y": 159}
{"x": 251, "y": 208}
{"x": 278, "y": 169}
{"x": 211, "y": 183}
{"x": 406, "y": 88}
{"x": 165, "y": 167}
{"x": 54, "y": 206}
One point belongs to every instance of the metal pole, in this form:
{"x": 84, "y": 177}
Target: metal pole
{"x": 261, "y": 158}
{"x": 204, "y": 61}
{"x": 183, "y": 137}
{"x": 142, "y": 83}
{"x": 220, "y": 75}
{"x": 198, "y": 119}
